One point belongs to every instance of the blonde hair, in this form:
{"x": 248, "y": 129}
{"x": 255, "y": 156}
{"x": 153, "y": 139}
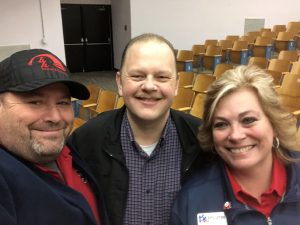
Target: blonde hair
{"x": 254, "y": 78}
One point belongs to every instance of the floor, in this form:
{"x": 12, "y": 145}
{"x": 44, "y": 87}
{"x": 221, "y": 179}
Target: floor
{"x": 104, "y": 79}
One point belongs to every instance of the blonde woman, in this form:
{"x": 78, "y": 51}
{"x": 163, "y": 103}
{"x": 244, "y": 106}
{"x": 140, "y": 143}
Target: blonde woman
{"x": 257, "y": 178}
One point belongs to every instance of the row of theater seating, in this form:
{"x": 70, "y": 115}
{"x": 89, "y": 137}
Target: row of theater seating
{"x": 193, "y": 86}
{"x": 100, "y": 100}
{"x": 237, "y": 49}
{"x": 280, "y": 60}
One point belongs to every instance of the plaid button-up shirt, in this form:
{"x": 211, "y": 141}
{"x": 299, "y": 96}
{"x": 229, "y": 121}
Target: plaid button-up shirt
{"x": 154, "y": 180}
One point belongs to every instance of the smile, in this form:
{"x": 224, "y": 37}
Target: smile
{"x": 241, "y": 150}
{"x": 48, "y": 132}
{"x": 149, "y": 100}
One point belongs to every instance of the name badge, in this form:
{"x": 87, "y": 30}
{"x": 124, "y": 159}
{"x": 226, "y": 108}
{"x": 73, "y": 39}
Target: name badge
{"x": 212, "y": 218}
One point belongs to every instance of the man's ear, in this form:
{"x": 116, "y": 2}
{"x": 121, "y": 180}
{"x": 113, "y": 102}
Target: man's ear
{"x": 177, "y": 84}
{"x": 119, "y": 83}
{"x": 1, "y": 99}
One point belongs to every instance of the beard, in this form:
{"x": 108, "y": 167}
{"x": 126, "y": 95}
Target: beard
{"x": 48, "y": 148}
{"x": 49, "y": 145}
{"x": 31, "y": 144}
{"x": 43, "y": 149}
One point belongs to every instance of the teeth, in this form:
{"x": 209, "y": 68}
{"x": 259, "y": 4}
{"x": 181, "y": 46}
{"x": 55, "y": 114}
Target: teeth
{"x": 240, "y": 150}
{"x": 148, "y": 99}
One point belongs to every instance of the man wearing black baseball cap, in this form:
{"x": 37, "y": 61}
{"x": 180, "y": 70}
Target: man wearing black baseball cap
{"x": 42, "y": 181}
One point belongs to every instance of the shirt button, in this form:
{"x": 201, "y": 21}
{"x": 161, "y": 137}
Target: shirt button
{"x": 148, "y": 191}
{"x": 147, "y": 223}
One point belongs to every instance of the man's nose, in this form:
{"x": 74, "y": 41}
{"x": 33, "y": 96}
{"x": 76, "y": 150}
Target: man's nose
{"x": 149, "y": 83}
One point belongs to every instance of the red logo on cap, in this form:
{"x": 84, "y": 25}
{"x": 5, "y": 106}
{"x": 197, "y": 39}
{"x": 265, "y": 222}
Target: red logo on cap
{"x": 48, "y": 62}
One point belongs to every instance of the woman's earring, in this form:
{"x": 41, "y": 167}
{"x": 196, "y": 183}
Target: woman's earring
{"x": 276, "y": 142}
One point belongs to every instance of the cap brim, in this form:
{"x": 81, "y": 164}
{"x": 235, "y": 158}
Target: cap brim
{"x": 77, "y": 90}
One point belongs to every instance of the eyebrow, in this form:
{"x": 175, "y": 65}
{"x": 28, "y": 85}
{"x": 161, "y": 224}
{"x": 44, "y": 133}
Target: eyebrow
{"x": 249, "y": 111}
{"x": 139, "y": 70}
{"x": 240, "y": 115}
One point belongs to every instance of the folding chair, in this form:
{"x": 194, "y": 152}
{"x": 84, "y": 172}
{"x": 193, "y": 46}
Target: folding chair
{"x": 263, "y": 47}
{"x": 202, "y": 82}
{"x": 239, "y": 53}
{"x": 221, "y": 68}
{"x": 90, "y": 102}
{"x": 226, "y": 46}
{"x": 183, "y": 99}
{"x": 285, "y": 41}
{"x": 198, "y": 53}
{"x": 261, "y": 62}
{"x": 289, "y": 94}
{"x": 212, "y": 57}
{"x": 186, "y": 79}
{"x": 184, "y": 61}
{"x": 277, "y": 68}
{"x": 106, "y": 101}
{"x": 291, "y": 56}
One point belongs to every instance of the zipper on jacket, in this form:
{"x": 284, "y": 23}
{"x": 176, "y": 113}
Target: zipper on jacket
{"x": 187, "y": 168}
{"x": 269, "y": 220}
{"x": 115, "y": 158}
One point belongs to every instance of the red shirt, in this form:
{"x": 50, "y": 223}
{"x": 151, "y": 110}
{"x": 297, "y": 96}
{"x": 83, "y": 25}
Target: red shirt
{"x": 72, "y": 178}
{"x": 269, "y": 198}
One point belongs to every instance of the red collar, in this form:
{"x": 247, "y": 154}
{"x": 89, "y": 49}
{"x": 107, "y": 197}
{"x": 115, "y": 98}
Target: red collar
{"x": 269, "y": 198}
{"x": 64, "y": 162}
{"x": 72, "y": 178}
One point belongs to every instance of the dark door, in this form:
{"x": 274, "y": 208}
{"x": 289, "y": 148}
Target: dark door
{"x": 87, "y": 37}
{"x": 97, "y": 37}
{"x": 73, "y": 38}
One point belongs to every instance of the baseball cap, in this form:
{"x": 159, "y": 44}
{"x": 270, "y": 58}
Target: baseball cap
{"x": 31, "y": 69}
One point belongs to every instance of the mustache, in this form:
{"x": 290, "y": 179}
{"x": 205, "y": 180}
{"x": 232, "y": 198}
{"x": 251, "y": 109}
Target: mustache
{"x": 49, "y": 126}
{"x": 147, "y": 96}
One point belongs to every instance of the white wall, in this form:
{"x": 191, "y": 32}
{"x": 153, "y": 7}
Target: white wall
{"x": 182, "y": 22}
{"x": 21, "y": 23}
{"x": 99, "y": 2}
{"x": 192, "y": 21}
{"x": 121, "y": 35}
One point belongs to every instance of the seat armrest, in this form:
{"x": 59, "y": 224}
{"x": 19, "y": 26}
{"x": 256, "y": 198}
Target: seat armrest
{"x": 188, "y": 60}
{"x": 184, "y": 109}
{"x": 89, "y": 105}
{"x": 297, "y": 114}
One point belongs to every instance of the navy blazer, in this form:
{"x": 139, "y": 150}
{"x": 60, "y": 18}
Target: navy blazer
{"x": 30, "y": 197}
{"x": 210, "y": 189}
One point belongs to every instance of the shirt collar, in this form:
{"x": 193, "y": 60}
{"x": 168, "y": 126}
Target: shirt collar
{"x": 130, "y": 133}
{"x": 278, "y": 184}
{"x": 63, "y": 157}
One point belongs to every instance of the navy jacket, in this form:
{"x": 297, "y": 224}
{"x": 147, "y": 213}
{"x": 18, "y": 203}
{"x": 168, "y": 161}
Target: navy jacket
{"x": 99, "y": 144}
{"x": 210, "y": 189}
{"x": 31, "y": 197}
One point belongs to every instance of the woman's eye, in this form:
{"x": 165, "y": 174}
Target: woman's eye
{"x": 220, "y": 125}
{"x": 249, "y": 120}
